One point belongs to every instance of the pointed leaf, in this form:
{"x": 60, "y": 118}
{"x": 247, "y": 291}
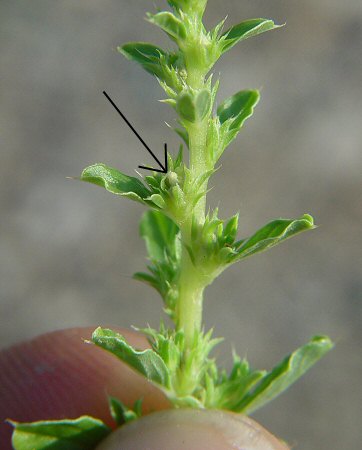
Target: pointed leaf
{"x": 286, "y": 373}
{"x": 272, "y": 234}
{"x": 148, "y": 279}
{"x": 179, "y": 158}
{"x": 169, "y": 23}
{"x": 83, "y": 433}
{"x": 244, "y": 30}
{"x": 116, "y": 182}
{"x": 184, "y": 135}
{"x": 231, "y": 391}
{"x": 231, "y": 229}
{"x": 121, "y": 414}
{"x": 145, "y": 362}
{"x": 169, "y": 101}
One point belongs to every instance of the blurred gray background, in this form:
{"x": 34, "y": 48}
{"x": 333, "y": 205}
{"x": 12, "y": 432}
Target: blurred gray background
{"x": 68, "y": 250}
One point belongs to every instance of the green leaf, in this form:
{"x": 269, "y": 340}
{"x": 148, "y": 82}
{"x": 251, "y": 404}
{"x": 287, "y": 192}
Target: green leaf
{"x": 164, "y": 249}
{"x": 169, "y": 23}
{"x": 163, "y": 65}
{"x": 286, "y": 373}
{"x": 272, "y": 234}
{"x": 148, "y": 279}
{"x": 202, "y": 104}
{"x": 121, "y": 413}
{"x": 175, "y": 3}
{"x": 231, "y": 229}
{"x": 186, "y": 107}
{"x": 116, "y": 182}
{"x": 147, "y": 55}
{"x": 238, "y": 108}
{"x": 83, "y": 433}
{"x": 145, "y": 362}
{"x": 243, "y": 31}
{"x": 159, "y": 233}
{"x": 231, "y": 391}
{"x": 178, "y": 162}
{"x": 193, "y": 107}
{"x": 158, "y": 200}
{"x": 234, "y": 111}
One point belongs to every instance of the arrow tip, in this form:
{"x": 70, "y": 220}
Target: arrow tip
{"x": 164, "y": 167}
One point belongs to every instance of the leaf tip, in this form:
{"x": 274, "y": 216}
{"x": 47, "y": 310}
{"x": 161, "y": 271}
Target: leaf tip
{"x": 324, "y": 341}
{"x": 97, "y": 333}
{"x": 309, "y": 221}
{"x": 282, "y": 25}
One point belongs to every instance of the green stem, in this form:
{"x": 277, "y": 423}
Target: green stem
{"x": 189, "y": 305}
{"x": 199, "y": 162}
{"x": 191, "y": 283}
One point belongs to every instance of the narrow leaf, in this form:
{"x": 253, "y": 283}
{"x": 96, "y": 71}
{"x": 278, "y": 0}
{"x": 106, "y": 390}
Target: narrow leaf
{"x": 121, "y": 414}
{"x": 116, "y": 182}
{"x": 83, "y": 433}
{"x": 179, "y": 158}
{"x": 231, "y": 391}
{"x": 148, "y": 279}
{"x": 244, "y": 30}
{"x": 183, "y": 135}
{"x": 272, "y": 234}
{"x": 286, "y": 373}
{"x": 231, "y": 229}
{"x": 145, "y": 362}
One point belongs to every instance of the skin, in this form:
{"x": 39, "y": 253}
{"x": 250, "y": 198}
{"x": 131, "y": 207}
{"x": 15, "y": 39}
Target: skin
{"x": 58, "y": 375}
{"x": 190, "y": 429}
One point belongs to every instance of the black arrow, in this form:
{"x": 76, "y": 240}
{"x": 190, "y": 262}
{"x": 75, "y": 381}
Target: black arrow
{"x": 164, "y": 168}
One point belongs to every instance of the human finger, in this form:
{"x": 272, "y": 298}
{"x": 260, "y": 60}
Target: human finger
{"x": 57, "y": 375}
{"x": 192, "y": 430}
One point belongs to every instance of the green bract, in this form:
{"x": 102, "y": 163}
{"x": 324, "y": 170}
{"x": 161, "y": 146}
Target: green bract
{"x": 187, "y": 246}
{"x": 121, "y": 413}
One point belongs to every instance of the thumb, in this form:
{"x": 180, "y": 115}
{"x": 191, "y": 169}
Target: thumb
{"x": 57, "y": 376}
{"x": 192, "y": 430}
